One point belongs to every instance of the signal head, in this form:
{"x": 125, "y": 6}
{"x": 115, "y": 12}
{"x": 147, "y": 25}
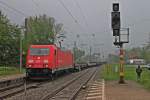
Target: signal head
{"x": 115, "y": 6}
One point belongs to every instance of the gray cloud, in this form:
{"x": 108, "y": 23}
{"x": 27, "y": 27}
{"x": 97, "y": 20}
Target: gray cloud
{"x": 134, "y": 13}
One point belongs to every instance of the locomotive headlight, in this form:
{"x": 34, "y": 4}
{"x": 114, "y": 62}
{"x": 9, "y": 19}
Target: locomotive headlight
{"x": 30, "y": 65}
{"x": 30, "y": 61}
{"x": 46, "y": 66}
{"x": 45, "y": 61}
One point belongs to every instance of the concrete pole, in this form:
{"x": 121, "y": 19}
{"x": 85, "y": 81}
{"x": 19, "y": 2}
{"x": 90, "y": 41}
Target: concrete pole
{"x": 20, "y": 52}
{"x": 121, "y": 69}
{"x": 90, "y": 53}
{"x": 75, "y": 46}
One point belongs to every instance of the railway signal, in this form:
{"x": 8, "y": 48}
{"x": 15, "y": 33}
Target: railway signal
{"x": 116, "y": 27}
{"x": 116, "y": 32}
{"x": 115, "y": 6}
{"x": 115, "y": 20}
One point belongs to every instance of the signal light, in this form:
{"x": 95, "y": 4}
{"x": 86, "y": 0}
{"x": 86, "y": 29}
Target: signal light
{"x": 115, "y": 6}
{"x": 46, "y": 66}
{"x": 116, "y": 32}
{"x": 30, "y": 65}
{"x": 115, "y": 20}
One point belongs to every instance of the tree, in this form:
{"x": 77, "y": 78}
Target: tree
{"x": 41, "y": 30}
{"x": 142, "y": 53}
{"x": 9, "y": 40}
{"x": 78, "y": 53}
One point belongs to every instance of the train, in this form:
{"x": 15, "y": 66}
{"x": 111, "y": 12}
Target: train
{"x": 44, "y": 61}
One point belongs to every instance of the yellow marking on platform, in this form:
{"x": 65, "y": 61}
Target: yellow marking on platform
{"x": 98, "y": 81}
{"x": 94, "y": 91}
{"x": 95, "y": 97}
{"x": 91, "y": 94}
{"x": 103, "y": 90}
{"x": 95, "y": 88}
{"x": 96, "y": 84}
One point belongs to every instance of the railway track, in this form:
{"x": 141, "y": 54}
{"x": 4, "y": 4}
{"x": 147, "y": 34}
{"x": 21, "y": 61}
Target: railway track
{"x": 12, "y": 89}
{"x": 39, "y": 90}
{"x": 69, "y": 90}
{"x": 8, "y": 85}
{"x": 20, "y": 87}
{"x": 11, "y": 83}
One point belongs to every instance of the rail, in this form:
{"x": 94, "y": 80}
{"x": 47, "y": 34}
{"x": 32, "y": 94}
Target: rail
{"x": 73, "y": 86}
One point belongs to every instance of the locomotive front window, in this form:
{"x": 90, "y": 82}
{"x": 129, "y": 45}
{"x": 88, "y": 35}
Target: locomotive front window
{"x": 39, "y": 51}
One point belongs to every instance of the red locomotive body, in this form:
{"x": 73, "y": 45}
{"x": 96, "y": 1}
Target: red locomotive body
{"x": 45, "y": 60}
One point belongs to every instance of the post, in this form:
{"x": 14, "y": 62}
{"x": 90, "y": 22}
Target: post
{"x": 121, "y": 69}
{"x": 75, "y": 46}
{"x": 21, "y": 38}
{"x": 90, "y": 53}
{"x": 20, "y": 52}
{"x": 60, "y": 44}
{"x": 116, "y": 26}
{"x": 0, "y": 15}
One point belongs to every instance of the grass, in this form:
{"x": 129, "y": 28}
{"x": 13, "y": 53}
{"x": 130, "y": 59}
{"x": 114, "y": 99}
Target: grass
{"x": 110, "y": 72}
{"x": 9, "y": 71}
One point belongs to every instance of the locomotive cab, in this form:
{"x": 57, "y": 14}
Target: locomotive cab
{"x": 39, "y": 61}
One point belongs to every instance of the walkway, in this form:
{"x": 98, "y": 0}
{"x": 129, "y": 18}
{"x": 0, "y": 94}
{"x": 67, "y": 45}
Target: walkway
{"x": 129, "y": 91}
{"x": 11, "y": 77}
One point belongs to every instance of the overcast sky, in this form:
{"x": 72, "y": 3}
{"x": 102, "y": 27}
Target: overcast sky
{"x": 93, "y": 17}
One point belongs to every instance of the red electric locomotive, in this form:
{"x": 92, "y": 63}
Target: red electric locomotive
{"x": 46, "y": 60}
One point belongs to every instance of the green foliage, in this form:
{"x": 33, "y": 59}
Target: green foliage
{"x": 9, "y": 40}
{"x": 113, "y": 58}
{"x": 9, "y": 70}
{"x": 109, "y": 72}
{"x": 78, "y": 54}
{"x": 41, "y": 30}
{"x": 143, "y": 53}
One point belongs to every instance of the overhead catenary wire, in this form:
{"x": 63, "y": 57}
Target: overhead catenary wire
{"x": 83, "y": 15}
{"x": 35, "y": 3}
{"x": 37, "y": 6}
{"x": 14, "y": 9}
{"x": 61, "y": 2}
{"x": 68, "y": 11}
{"x": 4, "y": 8}
{"x": 81, "y": 11}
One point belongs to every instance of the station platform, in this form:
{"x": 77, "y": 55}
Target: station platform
{"x": 129, "y": 91}
{"x": 11, "y": 77}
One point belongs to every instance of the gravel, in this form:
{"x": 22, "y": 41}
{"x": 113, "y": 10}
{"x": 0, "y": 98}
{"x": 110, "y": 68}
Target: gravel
{"x": 37, "y": 93}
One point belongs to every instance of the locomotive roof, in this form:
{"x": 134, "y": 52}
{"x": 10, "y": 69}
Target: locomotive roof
{"x": 53, "y": 46}
{"x": 43, "y": 46}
